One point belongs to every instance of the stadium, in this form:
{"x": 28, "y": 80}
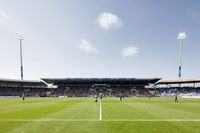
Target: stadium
{"x": 99, "y": 66}
{"x": 68, "y": 105}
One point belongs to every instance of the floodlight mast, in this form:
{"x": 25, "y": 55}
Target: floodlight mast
{"x": 20, "y": 36}
{"x": 181, "y": 36}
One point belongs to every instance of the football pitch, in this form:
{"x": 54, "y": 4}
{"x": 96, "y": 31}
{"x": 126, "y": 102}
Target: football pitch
{"x": 82, "y": 115}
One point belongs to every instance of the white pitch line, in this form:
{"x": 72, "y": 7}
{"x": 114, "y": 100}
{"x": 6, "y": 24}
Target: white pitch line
{"x": 100, "y": 111}
{"x": 153, "y": 120}
{"x": 47, "y": 120}
{"x": 96, "y": 120}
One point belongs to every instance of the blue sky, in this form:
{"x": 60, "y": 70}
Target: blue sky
{"x": 92, "y": 38}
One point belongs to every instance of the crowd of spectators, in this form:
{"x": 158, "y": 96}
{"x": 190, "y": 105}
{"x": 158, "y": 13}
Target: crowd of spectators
{"x": 18, "y": 91}
{"x": 88, "y": 91}
{"x": 170, "y": 91}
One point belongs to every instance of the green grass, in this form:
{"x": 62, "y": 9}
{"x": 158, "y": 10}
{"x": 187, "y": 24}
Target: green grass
{"x": 75, "y": 115}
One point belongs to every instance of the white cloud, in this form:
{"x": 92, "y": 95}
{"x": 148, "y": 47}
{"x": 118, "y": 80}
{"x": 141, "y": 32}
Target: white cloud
{"x": 131, "y": 51}
{"x": 87, "y": 47}
{"x": 108, "y": 20}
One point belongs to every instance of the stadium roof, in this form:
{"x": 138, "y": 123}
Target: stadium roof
{"x": 179, "y": 81}
{"x": 25, "y": 83}
{"x": 110, "y": 81}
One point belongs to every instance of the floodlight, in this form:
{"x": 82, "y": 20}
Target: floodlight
{"x": 20, "y": 36}
{"x": 181, "y": 36}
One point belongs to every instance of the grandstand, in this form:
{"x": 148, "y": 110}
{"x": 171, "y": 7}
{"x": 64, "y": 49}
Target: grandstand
{"x": 186, "y": 88}
{"x": 13, "y": 87}
{"x": 109, "y": 87}
{"x": 83, "y": 87}
{"x": 76, "y": 87}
